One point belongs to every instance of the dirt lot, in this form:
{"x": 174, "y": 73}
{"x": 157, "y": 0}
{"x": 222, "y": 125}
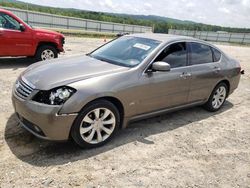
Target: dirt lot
{"x": 190, "y": 148}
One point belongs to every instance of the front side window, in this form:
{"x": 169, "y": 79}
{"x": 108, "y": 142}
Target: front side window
{"x": 175, "y": 55}
{"x": 200, "y": 54}
{"x": 7, "y": 22}
{"x": 126, "y": 51}
{"x": 1, "y": 21}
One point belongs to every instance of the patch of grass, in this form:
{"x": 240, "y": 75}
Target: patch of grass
{"x": 80, "y": 33}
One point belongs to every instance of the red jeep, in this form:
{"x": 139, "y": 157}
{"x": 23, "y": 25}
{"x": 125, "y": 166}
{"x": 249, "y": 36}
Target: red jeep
{"x": 19, "y": 39}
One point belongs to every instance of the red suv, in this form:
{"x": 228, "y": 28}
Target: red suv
{"x": 19, "y": 39}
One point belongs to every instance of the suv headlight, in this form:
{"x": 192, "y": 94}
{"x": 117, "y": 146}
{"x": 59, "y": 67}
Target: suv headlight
{"x": 56, "y": 96}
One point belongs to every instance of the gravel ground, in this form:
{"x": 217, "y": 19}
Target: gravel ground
{"x": 189, "y": 148}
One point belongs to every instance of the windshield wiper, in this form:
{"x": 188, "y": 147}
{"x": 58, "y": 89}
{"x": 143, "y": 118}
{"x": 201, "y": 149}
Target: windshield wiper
{"x": 110, "y": 61}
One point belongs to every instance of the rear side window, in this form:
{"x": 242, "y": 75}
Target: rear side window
{"x": 217, "y": 55}
{"x": 175, "y": 55}
{"x": 200, "y": 54}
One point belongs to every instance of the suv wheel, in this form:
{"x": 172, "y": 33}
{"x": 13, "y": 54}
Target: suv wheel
{"x": 46, "y": 53}
{"x": 96, "y": 124}
{"x": 217, "y": 98}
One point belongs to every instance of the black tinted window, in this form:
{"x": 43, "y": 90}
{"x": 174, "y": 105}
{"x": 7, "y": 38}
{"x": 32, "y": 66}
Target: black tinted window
{"x": 1, "y": 21}
{"x": 200, "y": 54}
{"x": 8, "y": 22}
{"x": 175, "y": 55}
{"x": 217, "y": 55}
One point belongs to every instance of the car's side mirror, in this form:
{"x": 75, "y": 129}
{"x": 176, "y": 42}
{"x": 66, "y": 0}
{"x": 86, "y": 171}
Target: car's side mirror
{"x": 161, "y": 66}
{"x": 22, "y": 27}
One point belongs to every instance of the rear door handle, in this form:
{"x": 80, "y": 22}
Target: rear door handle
{"x": 217, "y": 69}
{"x": 185, "y": 75}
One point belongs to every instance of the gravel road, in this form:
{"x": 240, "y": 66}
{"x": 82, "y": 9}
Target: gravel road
{"x": 189, "y": 148}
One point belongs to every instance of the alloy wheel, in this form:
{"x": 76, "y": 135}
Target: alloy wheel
{"x": 47, "y": 54}
{"x": 219, "y": 97}
{"x": 97, "y": 125}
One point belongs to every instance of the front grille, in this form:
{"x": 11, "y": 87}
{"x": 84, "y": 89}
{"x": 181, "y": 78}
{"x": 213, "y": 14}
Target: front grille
{"x": 23, "y": 89}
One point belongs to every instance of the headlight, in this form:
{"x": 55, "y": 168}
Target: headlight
{"x": 56, "y": 96}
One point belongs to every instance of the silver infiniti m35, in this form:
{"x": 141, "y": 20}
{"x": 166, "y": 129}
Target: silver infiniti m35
{"x": 90, "y": 97}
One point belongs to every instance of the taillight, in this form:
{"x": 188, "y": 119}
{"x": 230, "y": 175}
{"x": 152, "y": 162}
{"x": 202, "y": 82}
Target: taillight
{"x": 241, "y": 70}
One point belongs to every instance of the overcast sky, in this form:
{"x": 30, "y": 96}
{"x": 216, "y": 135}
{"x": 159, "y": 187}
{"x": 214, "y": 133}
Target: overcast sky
{"x": 234, "y": 13}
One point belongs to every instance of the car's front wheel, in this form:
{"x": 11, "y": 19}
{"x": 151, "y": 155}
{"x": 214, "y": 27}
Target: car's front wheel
{"x": 96, "y": 124}
{"x": 217, "y": 98}
{"x": 46, "y": 52}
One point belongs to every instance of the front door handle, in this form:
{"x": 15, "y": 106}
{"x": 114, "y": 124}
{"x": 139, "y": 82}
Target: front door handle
{"x": 185, "y": 75}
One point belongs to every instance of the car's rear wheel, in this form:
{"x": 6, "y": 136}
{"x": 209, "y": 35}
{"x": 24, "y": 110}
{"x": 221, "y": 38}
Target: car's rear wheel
{"x": 96, "y": 124}
{"x": 217, "y": 98}
{"x": 46, "y": 52}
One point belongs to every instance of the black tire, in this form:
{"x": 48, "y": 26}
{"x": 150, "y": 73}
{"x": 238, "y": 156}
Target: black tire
{"x": 75, "y": 130}
{"x": 209, "y": 104}
{"x": 43, "y": 48}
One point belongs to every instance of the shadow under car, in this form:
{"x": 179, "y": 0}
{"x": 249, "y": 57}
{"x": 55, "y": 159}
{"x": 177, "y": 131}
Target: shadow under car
{"x": 39, "y": 152}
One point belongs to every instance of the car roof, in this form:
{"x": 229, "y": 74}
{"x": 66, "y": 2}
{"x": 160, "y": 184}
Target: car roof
{"x": 4, "y": 10}
{"x": 167, "y": 38}
{"x": 164, "y": 37}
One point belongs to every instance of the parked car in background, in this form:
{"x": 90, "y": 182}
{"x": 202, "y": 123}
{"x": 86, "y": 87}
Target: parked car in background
{"x": 19, "y": 39}
{"x": 132, "y": 77}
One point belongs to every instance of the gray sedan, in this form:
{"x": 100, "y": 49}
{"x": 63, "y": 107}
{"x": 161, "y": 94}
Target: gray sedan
{"x": 89, "y": 98}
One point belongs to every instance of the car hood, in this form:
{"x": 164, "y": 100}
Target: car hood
{"x": 59, "y": 72}
{"x": 48, "y": 32}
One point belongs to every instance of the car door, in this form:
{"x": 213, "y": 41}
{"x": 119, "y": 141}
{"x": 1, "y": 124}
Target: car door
{"x": 2, "y": 39}
{"x": 160, "y": 90}
{"x": 205, "y": 70}
{"x": 14, "y": 42}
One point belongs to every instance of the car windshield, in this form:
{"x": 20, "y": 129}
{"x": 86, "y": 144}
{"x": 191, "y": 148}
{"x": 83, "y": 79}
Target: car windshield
{"x": 126, "y": 51}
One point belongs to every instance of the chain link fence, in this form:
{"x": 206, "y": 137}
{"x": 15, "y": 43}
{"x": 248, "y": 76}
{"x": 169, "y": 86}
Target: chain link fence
{"x": 39, "y": 19}
{"x": 243, "y": 38}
